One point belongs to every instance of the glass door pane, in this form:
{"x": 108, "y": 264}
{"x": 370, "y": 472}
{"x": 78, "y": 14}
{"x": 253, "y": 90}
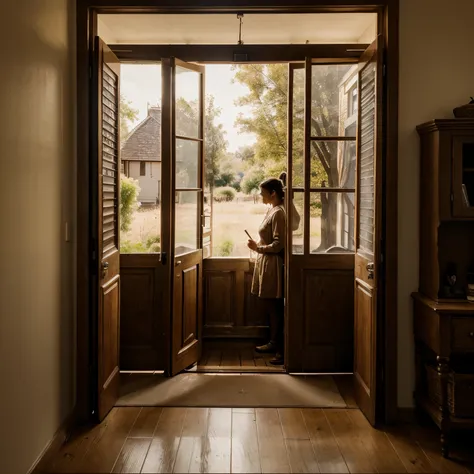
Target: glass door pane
{"x": 141, "y": 171}
{"x": 188, "y": 150}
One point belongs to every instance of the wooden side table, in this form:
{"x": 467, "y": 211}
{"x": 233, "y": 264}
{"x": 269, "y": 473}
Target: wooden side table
{"x": 444, "y": 340}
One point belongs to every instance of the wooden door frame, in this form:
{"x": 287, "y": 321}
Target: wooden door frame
{"x": 86, "y": 30}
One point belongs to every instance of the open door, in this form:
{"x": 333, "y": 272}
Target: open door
{"x": 183, "y": 159}
{"x": 106, "y": 226}
{"x": 368, "y": 231}
{"x": 320, "y": 190}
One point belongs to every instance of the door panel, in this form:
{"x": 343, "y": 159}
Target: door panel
{"x": 187, "y": 320}
{"x": 368, "y": 229}
{"x": 230, "y": 310}
{"x": 106, "y": 159}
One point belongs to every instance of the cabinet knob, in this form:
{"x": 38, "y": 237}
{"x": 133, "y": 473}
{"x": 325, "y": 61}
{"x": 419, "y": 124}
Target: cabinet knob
{"x": 471, "y": 334}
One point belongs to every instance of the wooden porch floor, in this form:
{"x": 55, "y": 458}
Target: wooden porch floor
{"x": 238, "y": 360}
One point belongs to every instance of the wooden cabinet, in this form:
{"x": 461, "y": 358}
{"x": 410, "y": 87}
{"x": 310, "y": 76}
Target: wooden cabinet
{"x": 446, "y": 217}
{"x": 443, "y": 318}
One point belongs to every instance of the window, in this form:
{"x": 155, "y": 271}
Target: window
{"x": 353, "y": 101}
{"x": 142, "y": 168}
{"x": 332, "y": 160}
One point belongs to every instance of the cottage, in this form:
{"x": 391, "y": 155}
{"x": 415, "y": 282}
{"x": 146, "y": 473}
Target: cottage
{"x": 141, "y": 156}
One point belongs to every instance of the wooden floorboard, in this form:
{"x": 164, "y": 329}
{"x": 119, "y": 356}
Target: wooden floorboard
{"x": 267, "y": 440}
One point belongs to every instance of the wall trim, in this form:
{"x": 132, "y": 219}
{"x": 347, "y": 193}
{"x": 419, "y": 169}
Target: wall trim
{"x": 63, "y": 433}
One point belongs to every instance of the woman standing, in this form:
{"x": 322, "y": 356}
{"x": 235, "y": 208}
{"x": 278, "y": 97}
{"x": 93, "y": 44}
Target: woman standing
{"x": 268, "y": 276}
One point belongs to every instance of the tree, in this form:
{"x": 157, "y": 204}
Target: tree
{"x": 128, "y": 115}
{"x": 246, "y": 154}
{"x": 252, "y": 179}
{"x": 268, "y": 98}
{"x": 214, "y": 138}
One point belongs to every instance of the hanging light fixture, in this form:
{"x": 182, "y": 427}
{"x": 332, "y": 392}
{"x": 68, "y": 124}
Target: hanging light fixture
{"x": 240, "y": 17}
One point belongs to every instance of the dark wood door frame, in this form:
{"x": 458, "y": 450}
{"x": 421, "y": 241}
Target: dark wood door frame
{"x": 388, "y": 20}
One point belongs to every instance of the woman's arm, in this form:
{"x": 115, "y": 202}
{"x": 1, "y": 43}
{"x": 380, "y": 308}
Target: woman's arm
{"x": 278, "y": 234}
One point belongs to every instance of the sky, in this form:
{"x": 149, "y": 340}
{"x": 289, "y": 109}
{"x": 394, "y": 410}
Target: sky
{"x": 141, "y": 85}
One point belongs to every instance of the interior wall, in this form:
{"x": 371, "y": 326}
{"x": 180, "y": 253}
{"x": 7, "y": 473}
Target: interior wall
{"x": 436, "y": 75}
{"x": 37, "y": 194}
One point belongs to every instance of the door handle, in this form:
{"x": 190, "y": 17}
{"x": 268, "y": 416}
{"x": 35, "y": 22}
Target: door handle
{"x": 105, "y": 269}
{"x": 163, "y": 258}
{"x": 370, "y": 270}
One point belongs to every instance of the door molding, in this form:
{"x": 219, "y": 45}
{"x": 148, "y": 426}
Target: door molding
{"x": 86, "y": 22}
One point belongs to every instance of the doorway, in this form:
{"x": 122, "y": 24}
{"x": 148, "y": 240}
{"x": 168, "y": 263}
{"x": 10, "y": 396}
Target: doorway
{"x": 233, "y": 320}
{"x": 308, "y": 190}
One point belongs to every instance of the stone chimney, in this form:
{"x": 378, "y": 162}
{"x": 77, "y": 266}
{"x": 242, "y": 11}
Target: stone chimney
{"x": 155, "y": 112}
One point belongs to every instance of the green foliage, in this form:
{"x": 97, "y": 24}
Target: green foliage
{"x": 129, "y": 190}
{"x": 268, "y": 99}
{"x": 228, "y": 172}
{"x": 226, "y": 194}
{"x": 128, "y": 115}
{"x": 149, "y": 245}
{"x": 226, "y": 248}
{"x": 153, "y": 243}
{"x": 252, "y": 179}
{"x": 215, "y": 144}
{"x": 128, "y": 247}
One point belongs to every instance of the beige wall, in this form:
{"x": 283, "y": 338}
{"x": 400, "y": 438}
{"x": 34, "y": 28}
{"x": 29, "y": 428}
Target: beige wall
{"x": 436, "y": 75}
{"x": 37, "y": 161}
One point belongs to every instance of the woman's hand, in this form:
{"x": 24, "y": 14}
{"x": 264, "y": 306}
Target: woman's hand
{"x": 252, "y": 245}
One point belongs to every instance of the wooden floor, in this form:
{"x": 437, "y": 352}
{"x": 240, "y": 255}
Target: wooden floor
{"x": 253, "y": 440}
{"x": 235, "y": 360}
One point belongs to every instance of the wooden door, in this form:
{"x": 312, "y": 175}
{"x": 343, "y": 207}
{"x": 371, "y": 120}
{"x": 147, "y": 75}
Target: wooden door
{"x": 106, "y": 225}
{"x": 368, "y": 256}
{"x": 183, "y": 146}
{"x": 320, "y": 187}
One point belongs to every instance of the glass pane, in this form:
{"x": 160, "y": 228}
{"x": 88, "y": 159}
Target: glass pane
{"x": 186, "y": 222}
{"x": 330, "y": 86}
{"x": 298, "y": 227}
{"x": 140, "y": 133}
{"x": 468, "y": 173}
{"x": 333, "y": 164}
{"x": 298, "y": 128}
{"x": 331, "y": 222}
{"x": 187, "y": 163}
{"x": 187, "y": 102}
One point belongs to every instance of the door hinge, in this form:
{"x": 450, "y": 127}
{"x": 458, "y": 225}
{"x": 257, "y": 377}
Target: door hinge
{"x": 452, "y": 197}
{"x": 384, "y": 70}
{"x": 90, "y": 72}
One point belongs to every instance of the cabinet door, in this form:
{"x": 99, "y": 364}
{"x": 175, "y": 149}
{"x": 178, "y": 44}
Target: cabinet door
{"x": 463, "y": 176}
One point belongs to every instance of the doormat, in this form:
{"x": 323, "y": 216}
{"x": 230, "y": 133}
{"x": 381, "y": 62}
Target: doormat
{"x": 231, "y": 391}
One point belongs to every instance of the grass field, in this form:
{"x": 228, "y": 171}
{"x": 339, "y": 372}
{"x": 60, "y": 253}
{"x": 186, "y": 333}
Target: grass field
{"x": 230, "y": 219}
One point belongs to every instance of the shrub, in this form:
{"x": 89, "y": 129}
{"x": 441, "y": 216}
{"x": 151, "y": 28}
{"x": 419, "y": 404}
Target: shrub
{"x": 251, "y": 180}
{"x": 129, "y": 190}
{"x": 128, "y": 247}
{"x": 153, "y": 244}
{"x": 226, "y": 248}
{"x": 225, "y": 194}
{"x": 150, "y": 245}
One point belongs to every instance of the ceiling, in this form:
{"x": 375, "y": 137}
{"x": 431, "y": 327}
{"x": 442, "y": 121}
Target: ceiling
{"x": 318, "y": 28}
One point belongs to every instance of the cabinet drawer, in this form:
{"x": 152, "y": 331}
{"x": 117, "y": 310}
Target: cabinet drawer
{"x": 463, "y": 334}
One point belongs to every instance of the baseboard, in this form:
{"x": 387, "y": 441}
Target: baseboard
{"x": 53, "y": 447}
{"x": 406, "y": 415}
